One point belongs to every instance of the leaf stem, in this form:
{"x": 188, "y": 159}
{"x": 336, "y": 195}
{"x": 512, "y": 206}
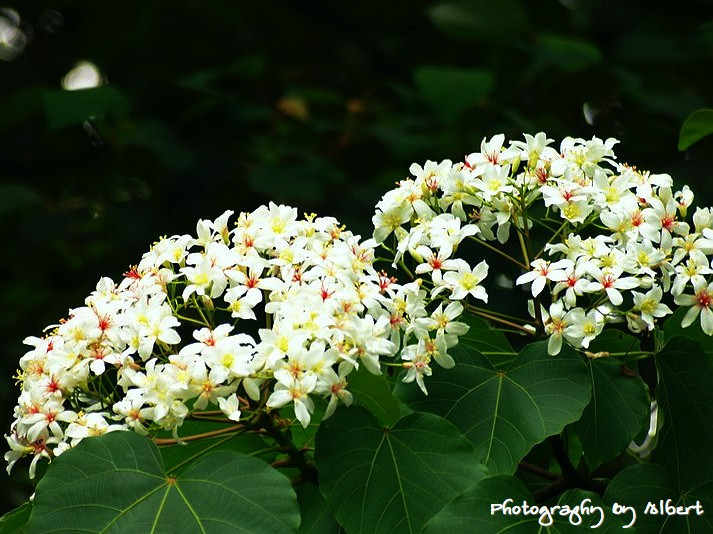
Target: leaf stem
{"x": 502, "y": 253}
{"x": 552, "y": 237}
{"x": 503, "y": 315}
{"x": 220, "y": 432}
{"x": 189, "y": 319}
{"x": 402, "y": 264}
{"x": 498, "y": 320}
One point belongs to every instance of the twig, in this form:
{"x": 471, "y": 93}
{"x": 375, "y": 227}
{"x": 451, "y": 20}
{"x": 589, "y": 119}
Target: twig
{"x": 503, "y": 254}
{"x": 297, "y": 458}
{"x": 570, "y": 478}
{"x": 172, "y": 441}
{"x": 536, "y": 470}
{"x": 498, "y": 320}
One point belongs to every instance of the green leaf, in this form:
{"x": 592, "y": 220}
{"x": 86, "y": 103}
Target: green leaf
{"x": 315, "y": 513}
{"x": 619, "y": 409}
{"x": 673, "y": 328}
{"x": 473, "y": 20}
{"x": 16, "y": 198}
{"x": 616, "y": 343}
{"x": 685, "y": 396}
{"x": 373, "y": 393}
{"x": 641, "y": 484}
{"x": 250, "y": 67}
{"x": 504, "y": 410}
{"x": 15, "y": 521}
{"x": 471, "y": 510}
{"x": 451, "y": 91}
{"x": 177, "y": 457}
{"x": 589, "y": 505}
{"x": 566, "y": 53}
{"x": 697, "y": 125}
{"x": 117, "y": 483}
{"x": 64, "y": 108}
{"x": 378, "y": 479}
{"x": 488, "y": 341}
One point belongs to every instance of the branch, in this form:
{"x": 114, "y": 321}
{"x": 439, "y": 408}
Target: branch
{"x": 297, "y": 458}
{"x": 536, "y": 470}
{"x": 570, "y": 478}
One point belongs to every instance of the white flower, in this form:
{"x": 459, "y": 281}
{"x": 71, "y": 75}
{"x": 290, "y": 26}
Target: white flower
{"x": 542, "y": 271}
{"x": 205, "y": 278}
{"x": 229, "y": 358}
{"x": 701, "y": 303}
{"x": 389, "y": 218}
{"x": 446, "y": 233}
{"x": 494, "y": 182}
{"x": 417, "y": 365}
{"x": 443, "y": 321}
{"x": 611, "y": 281}
{"x": 335, "y": 384}
{"x": 575, "y": 285}
{"x": 297, "y": 391}
{"x": 91, "y": 424}
{"x": 661, "y": 219}
{"x": 559, "y": 324}
{"x": 230, "y": 406}
{"x": 466, "y": 282}
{"x": 435, "y": 263}
{"x": 583, "y": 328}
{"x": 491, "y": 153}
{"x": 649, "y": 305}
{"x": 242, "y": 300}
{"x": 692, "y": 271}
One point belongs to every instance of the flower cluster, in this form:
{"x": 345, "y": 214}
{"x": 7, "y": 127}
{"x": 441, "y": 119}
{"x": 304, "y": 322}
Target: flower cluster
{"x": 267, "y": 314}
{"x": 274, "y": 311}
{"x": 618, "y": 237}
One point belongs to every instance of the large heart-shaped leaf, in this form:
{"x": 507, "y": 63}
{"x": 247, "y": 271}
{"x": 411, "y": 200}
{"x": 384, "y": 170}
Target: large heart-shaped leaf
{"x": 316, "y": 516}
{"x": 373, "y": 393}
{"x": 178, "y": 456}
{"x": 380, "y": 479}
{"x": 496, "y": 505}
{"x": 673, "y": 328}
{"x": 484, "y": 338}
{"x": 15, "y": 521}
{"x": 471, "y": 511}
{"x": 645, "y": 487}
{"x": 451, "y": 91}
{"x": 685, "y": 396}
{"x": 117, "y": 483}
{"x": 504, "y": 410}
{"x": 617, "y": 343}
{"x": 565, "y": 53}
{"x": 619, "y": 409}
{"x": 478, "y": 20}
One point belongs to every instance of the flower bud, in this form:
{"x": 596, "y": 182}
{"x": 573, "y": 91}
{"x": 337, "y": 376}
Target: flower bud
{"x": 207, "y": 302}
{"x": 702, "y": 218}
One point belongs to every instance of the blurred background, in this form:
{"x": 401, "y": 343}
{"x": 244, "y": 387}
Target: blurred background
{"x": 124, "y": 121}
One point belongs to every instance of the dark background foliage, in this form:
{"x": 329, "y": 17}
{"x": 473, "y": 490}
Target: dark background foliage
{"x": 221, "y": 105}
